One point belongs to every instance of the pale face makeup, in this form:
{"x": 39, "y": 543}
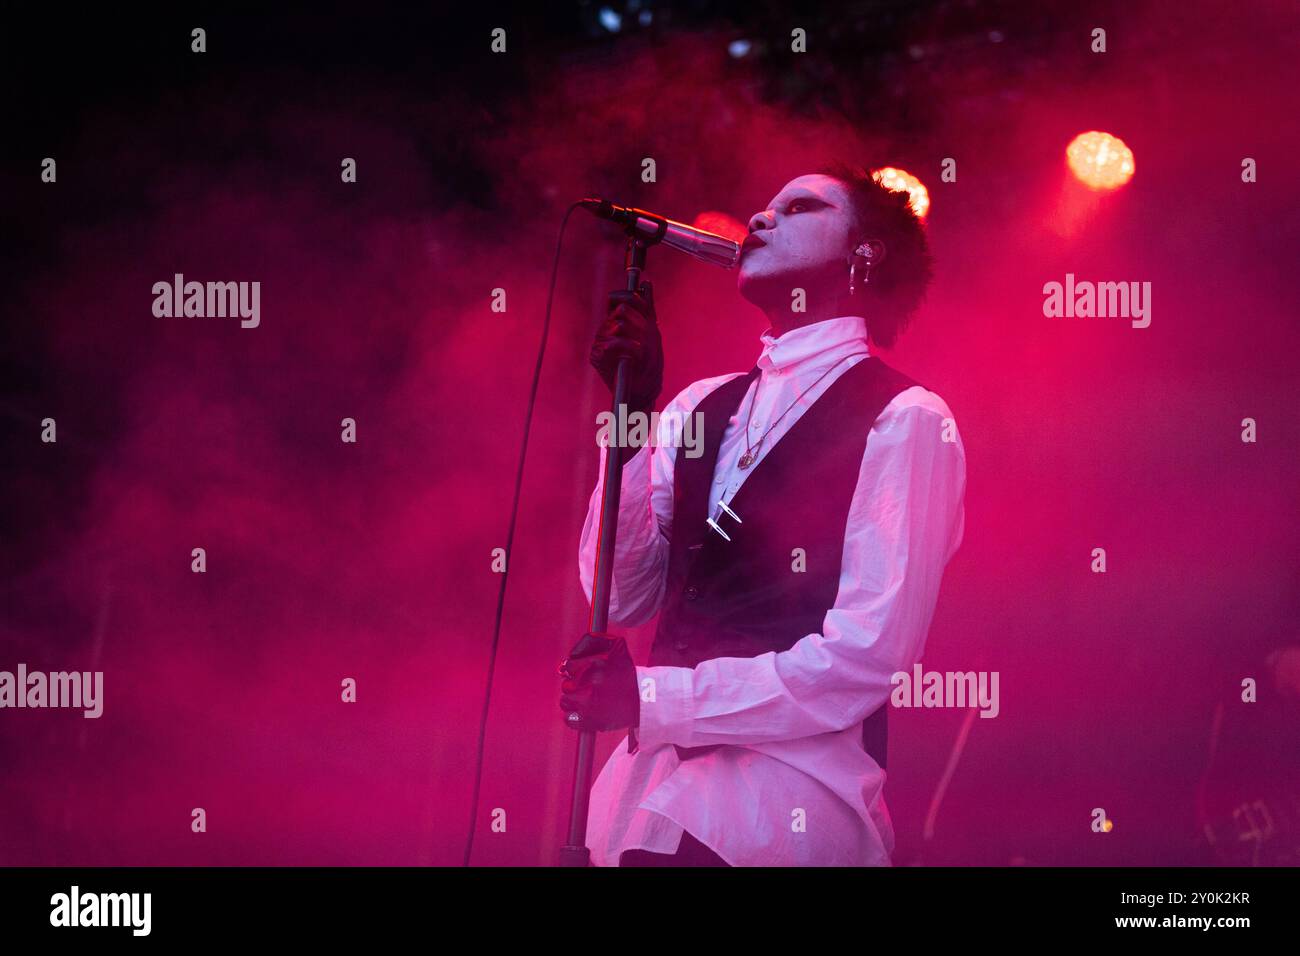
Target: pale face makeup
{"x": 806, "y": 230}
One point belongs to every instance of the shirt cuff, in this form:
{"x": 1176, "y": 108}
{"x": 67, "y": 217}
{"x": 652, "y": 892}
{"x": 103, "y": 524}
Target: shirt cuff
{"x": 666, "y": 701}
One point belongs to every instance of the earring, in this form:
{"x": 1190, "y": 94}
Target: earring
{"x": 867, "y": 253}
{"x": 871, "y": 253}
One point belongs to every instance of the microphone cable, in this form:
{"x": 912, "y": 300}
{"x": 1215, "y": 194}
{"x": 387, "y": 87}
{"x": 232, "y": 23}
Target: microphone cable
{"x": 510, "y": 538}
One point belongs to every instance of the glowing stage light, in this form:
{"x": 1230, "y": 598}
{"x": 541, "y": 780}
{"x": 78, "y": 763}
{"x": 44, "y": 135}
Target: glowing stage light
{"x": 900, "y": 179}
{"x": 610, "y": 20}
{"x": 1099, "y": 160}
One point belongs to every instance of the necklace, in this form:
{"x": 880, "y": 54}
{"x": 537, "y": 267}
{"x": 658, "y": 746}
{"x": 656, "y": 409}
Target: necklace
{"x": 751, "y": 453}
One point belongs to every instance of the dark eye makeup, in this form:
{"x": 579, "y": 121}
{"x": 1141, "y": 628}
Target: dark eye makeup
{"x": 803, "y": 201}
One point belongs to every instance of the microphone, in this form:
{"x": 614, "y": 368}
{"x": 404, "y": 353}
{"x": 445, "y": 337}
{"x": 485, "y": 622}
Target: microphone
{"x": 652, "y": 228}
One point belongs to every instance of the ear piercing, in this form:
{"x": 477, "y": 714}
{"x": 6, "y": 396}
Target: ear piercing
{"x": 870, "y": 253}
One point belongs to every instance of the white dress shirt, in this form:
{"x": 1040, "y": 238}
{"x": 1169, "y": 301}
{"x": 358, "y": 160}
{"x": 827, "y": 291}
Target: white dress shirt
{"x": 792, "y": 784}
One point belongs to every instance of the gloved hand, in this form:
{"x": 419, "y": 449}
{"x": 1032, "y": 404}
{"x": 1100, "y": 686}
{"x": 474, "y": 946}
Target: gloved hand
{"x": 631, "y": 328}
{"x": 600, "y": 685}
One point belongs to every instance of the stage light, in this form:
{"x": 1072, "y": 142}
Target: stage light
{"x": 1099, "y": 160}
{"x": 900, "y": 179}
{"x": 609, "y": 19}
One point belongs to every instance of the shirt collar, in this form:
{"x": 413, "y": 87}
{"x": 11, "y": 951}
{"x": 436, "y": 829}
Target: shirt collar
{"x": 813, "y": 346}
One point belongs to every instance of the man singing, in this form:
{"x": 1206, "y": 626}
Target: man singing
{"x": 794, "y": 564}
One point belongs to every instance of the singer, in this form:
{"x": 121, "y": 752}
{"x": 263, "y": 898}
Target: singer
{"x": 794, "y": 565}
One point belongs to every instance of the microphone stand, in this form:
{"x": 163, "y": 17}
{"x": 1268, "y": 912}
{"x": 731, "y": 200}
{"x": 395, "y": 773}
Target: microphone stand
{"x": 575, "y": 851}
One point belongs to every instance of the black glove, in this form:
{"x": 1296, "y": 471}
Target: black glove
{"x": 600, "y": 685}
{"x": 631, "y": 328}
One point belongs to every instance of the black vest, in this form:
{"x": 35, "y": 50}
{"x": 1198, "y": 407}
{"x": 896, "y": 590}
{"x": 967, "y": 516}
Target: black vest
{"x": 743, "y": 597}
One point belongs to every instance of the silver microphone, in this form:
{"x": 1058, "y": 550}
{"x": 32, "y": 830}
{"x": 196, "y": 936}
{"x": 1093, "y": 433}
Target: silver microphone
{"x": 707, "y": 246}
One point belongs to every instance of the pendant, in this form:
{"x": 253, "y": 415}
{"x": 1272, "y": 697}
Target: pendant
{"x": 746, "y": 460}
